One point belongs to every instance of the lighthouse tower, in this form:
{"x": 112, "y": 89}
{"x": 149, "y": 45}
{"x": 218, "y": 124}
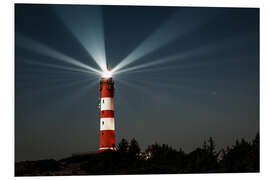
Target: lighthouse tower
{"x": 107, "y": 127}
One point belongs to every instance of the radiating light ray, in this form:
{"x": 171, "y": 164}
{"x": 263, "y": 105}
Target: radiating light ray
{"x": 178, "y": 25}
{"x": 31, "y": 82}
{"x": 125, "y": 98}
{"x": 161, "y": 80}
{"x": 216, "y": 46}
{"x": 135, "y": 86}
{"x": 48, "y": 80}
{"x": 151, "y": 97}
{"x": 63, "y": 100}
{"x": 154, "y": 94}
{"x": 201, "y": 65}
{"x": 152, "y": 63}
{"x": 164, "y": 84}
{"x": 138, "y": 86}
{"x": 86, "y": 24}
{"x": 159, "y": 92}
{"x": 42, "y": 72}
{"x": 54, "y": 66}
{"x": 32, "y": 45}
{"x": 150, "y": 70}
{"x": 61, "y": 84}
{"x": 77, "y": 94}
{"x": 162, "y": 60}
{"x": 161, "y": 68}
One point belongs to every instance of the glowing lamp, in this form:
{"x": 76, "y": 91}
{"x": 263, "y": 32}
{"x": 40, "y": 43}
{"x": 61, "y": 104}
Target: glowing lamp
{"x": 106, "y": 74}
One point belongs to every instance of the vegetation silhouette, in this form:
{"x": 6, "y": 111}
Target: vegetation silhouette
{"x": 241, "y": 157}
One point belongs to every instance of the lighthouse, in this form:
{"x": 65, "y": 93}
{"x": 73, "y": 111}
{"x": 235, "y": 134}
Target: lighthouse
{"x": 107, "y": 124}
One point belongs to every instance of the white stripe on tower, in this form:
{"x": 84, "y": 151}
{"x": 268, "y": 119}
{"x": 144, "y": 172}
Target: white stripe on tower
{"x": 106, "y": 103}
{"x": 107, "y": 124}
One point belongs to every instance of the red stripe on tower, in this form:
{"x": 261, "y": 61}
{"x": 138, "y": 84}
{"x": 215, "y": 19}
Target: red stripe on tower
{"x": 107, "y": 127}
{"x": 106, "y": 113}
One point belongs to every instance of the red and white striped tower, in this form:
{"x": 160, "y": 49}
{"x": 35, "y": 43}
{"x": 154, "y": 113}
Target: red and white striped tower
{"x": 107, "y": 127}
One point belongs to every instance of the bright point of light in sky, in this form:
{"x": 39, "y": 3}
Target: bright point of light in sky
{"x": 106, "y": 74}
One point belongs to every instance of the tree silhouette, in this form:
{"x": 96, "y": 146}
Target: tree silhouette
{"x": 123, "y": 146}
{"x": 134, "y": 148}
{"x": 203, "y": 159}
{"x": 255, "y": 157}
{"x": 243, "y": 156}
{"x": 163, "y": 158}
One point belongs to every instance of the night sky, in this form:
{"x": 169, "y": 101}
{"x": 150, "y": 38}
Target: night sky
{"x": 187, "y": 74}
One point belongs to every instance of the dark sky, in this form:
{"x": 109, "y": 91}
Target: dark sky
{"x": 209, "y": 88}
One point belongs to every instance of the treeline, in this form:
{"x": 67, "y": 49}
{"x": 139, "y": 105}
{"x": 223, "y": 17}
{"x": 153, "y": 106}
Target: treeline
{"x": 243, "y": 156}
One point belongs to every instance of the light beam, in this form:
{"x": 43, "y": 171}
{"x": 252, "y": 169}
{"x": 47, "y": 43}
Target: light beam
{"x": 54, "y": 66}
{"x": 86, "y": 24}
{"x": 27, "y": 43}
{"x": 217, "y": 46}
{"x": 178, "y": 25}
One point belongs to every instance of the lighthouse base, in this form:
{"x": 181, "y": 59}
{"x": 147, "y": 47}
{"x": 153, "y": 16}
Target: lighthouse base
{"x": 107, "y": 148}
{"x": 107, "y": 140}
